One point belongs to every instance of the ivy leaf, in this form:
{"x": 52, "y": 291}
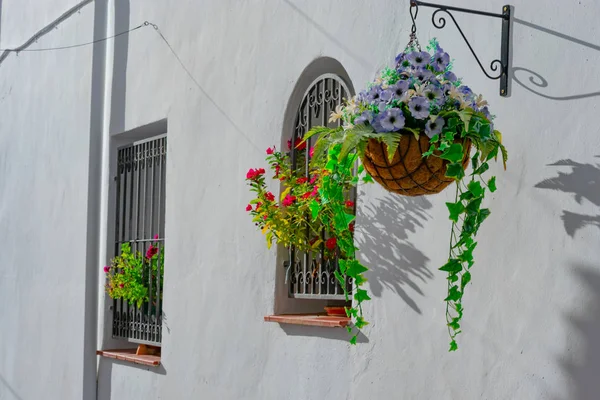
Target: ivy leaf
{"x": 443, "y": 146}
{"x": 360, "y": 280}
{"x": 429, "y": 152}
{"x": 474, "y": 205}
{"x": 343, "y": 266}
{"x": 360, "y": 323}
{"x": 454, "y": 153}
{"x": 466, "y": 278}
{"x": 453, "y": 346}
{"x": 453, "y": 266}
{"x": 361, "y": 169}
{"x": 492, "y": 184}
{"x": 475, "y": 160}
{"x": 483, "y": 214}
{"x": 361, "y": 295}
{"x": 475, "y": 188}
{"x": 434, "y": 139}
{"x": 367, "y": 179}
{"x": 453, "y": 294}
{"x": 315, "y": 207}
{"x": 484, "y": 167}
{"x": 456, "y": 171}
{"x": 353, "y": 340}
{"x": 355, "y": 268}
{"x": 449, "y": 136}
{"x": 455, "y": 210}
{"x": 466, "y": 196}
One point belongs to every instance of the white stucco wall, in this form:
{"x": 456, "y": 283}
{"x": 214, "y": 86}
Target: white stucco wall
{"x": 530, "y": 322}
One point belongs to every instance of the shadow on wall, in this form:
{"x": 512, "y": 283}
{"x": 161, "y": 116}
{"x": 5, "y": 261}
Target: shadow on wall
{"x": 537, "y": 80}
{"x": 105, "y": 372}
{"x": 584, "y": 183}
{"x": 582, "y": 368}
{"x": 394, "y": 262}
{"x": 11, "y": 392}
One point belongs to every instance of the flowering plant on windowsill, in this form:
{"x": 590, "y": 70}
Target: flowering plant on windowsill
{"x": 128, "y": 274}
{"x": 413, "y": 129}
{"x": 317, "y": 204}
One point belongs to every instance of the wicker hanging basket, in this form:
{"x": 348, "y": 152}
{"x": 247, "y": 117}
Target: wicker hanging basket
{"x": 409, "y": 173}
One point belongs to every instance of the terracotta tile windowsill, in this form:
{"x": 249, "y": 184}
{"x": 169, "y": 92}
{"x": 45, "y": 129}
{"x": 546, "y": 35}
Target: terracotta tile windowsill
{"x": 130, "y": 356}
{"x": 310, "y": 319}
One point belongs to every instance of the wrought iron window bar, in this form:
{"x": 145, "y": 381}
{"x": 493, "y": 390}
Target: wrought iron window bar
{"x": 311, "y": 276}
{"x": 440, "y": 22}
{"x": 139, "y": 216}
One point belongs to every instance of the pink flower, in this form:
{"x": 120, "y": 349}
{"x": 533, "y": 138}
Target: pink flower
{"x": 314, "y": 179}
{"x": 270, "y": 150}
{"x": 248, "y": 207}
{"x": 288, "y": 200}
{"x": 315, "y": 191}
{"x": 311, "y": 152}
{"x": 151, "y": 252}
{"x": 121, "y": 285}
{"x": 106, "y": 269}
{"x": 156, "y": 237}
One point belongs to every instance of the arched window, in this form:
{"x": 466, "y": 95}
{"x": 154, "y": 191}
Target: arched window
{"x": 310, "y": 275}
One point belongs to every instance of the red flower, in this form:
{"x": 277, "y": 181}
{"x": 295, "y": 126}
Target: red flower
{"x": 351, "y": 227}
{"x": 331, "y": 243}
{"x": 277, "y": 169}
{"x": 151, "y": 252}
{"x": 248, "y": 207}
{"x": 311, "y": 152}
{"x": 300, "y": 145}
{"x": 349, "y": 204}
{"x": 288, "y": 200}
{"x": 265, "y": 217}
{"x": 156, "y": 237}
{"x": 254, "y": 173}
{"x": 306, "y": 195}
{"x": 270, "y": 150}
{"x": 269, "y": 196}
{"x": 106, "y": 269}
{"x": 121, "y": 285}
{"x": 302, "y": 180}
{"x": 258, "y": 205}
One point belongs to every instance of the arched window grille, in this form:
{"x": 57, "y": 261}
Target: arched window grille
{"x": 310, "y": 275}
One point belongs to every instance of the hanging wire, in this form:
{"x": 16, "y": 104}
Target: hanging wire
{"x": 17, "y": 50}
{"x": 414, "y": 11}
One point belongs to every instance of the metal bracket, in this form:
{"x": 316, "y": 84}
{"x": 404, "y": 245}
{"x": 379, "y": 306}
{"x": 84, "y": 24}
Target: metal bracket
{"x": 440, "y": 22}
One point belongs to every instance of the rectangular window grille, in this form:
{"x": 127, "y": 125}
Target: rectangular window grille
{"x": 310, "y": 275}
{"x": 140, "y": 218}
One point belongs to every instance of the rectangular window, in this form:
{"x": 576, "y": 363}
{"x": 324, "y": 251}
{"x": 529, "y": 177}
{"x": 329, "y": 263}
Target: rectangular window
{"x": 140, "y": 221}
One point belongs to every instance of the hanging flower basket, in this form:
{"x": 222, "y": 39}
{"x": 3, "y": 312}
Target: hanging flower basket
{"x": 407, "y": 172}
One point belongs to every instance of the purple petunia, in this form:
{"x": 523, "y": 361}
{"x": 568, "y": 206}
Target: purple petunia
{"x": 374, "y": 95}
{"x": 399, "y": 89}
{"x": 423, "y": 74}
{"x": 366, "y": 116}
{"x": 381, "y": 106}
{"x": 400, "y": 58}
{"x": 419, "y": 59}
{"x": 385, "y": 95}
{"x": 419, "y": 107}
{"x": 440, "y": 61}
{"x": 434, "y": 94}
{"x": 434, "y": 127}
{"x": 392, "y": 120}
{"x": 450, "y": 76}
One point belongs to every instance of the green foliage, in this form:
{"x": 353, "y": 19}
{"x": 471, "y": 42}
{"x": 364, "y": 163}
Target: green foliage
{"x": 129, "y": 273}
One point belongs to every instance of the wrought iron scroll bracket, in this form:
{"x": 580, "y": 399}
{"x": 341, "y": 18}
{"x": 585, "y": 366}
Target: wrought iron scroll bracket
{"x": 499, "y": 67}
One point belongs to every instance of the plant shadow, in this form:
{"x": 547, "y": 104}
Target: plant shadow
{"x": 583, "y": 365}
{"x": 323, "y": 332}
{"x": 395, "y": 263}
{"x": 583, "y": 182}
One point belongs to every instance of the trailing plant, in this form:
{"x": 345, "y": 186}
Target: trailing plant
{"x": 318, "y": 204}
{"x": 421, "y": 97}
{"x": 129, "y": 272}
